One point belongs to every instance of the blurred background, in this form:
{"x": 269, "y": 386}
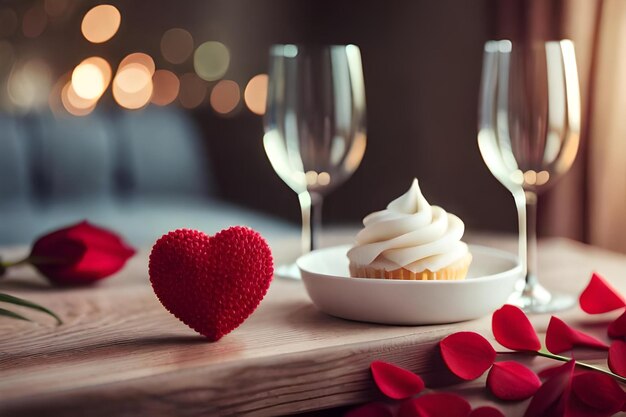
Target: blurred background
{"x": 147, "y": 116}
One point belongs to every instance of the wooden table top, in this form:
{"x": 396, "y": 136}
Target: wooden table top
{"x": 120, "y": 352}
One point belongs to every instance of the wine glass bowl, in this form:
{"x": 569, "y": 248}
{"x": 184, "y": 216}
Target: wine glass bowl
{"x": 528, "y": 136}
{"x": 315, "y": 134}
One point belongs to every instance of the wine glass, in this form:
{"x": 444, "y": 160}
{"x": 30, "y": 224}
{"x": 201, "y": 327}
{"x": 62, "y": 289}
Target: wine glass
{"x": 528, "y": 135}
{"x": 314, "y": 125}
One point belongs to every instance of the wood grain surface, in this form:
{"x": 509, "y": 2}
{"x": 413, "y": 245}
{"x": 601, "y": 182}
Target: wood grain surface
{"x": 120, "y": 353}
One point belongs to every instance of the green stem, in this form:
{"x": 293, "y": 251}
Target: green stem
{"x": 547, "y": 354}
{"x": 4, "y": 264}
{"x": 15, "y": 263}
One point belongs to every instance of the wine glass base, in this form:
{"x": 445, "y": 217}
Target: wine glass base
{"x": 288, "y": 271}
{"x": 539, "y": 300}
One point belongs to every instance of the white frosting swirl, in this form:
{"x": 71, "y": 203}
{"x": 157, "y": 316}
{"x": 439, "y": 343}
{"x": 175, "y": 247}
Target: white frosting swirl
{"x": 409, "y": 234}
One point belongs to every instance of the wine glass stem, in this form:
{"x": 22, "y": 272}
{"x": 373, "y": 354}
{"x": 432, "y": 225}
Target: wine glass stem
{"x": 316, "y": 219}
{"x": 527, "y": 213}
{"x": 531, "y": 238}
{"x": 311, "y": 208}
{"x": 305, "y": 208}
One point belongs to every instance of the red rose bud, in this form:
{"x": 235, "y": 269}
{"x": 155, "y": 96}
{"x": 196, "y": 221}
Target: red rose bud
{"x": 79, "y": 254}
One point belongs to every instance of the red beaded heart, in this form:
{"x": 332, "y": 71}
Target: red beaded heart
{"x": 212, "y": 284}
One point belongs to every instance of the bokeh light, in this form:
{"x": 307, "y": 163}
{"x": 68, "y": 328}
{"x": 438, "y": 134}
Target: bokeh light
{"x": 211, "y": 60}
{"x": 8, "y": 22}
{"x": 192, "y": 91}
{"x": 74, "y": 104}
{"x": 56, "y": 8}
{"x": 132, "y": 85}
{"x": 225, "y": 96}
{"x": 132, "y": 100}
{"x": 29, "y": 83}
{"x": 323, "y": 178}
{"x": 88, "y": 81}
{"x": 166, "y": 87}
{"x": 255, "y": 94}
{"x": 311, "y": 177}
{"x": 103, "y": 66}
{"x": 34, "y": 22}
{"x": 133, "y": 78}
{"x": 176, "y": 45}
{"x": 140, "y": 58}
{"x": 532, "y": 177}
{"x": 101, "y": 23}
{"x": 314, "y": 178}
{"x": 78, "y": 101}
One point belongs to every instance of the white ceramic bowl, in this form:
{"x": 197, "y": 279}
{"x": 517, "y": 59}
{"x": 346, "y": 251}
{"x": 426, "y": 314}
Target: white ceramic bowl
{"x": 491, "y": 279}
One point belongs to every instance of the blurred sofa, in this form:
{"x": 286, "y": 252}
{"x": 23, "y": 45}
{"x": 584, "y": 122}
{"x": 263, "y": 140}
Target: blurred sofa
{"x": 139, "y": 173}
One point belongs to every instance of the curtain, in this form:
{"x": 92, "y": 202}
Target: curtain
{"x": 564, "y": 209}
{"x": 589, "y": 202}
{"x": 607, "y": 132}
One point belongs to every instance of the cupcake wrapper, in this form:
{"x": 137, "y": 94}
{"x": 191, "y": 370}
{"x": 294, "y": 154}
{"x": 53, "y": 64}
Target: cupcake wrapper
{"x": 454, "y": 272}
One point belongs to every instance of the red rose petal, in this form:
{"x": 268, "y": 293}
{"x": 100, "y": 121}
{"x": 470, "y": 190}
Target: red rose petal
{"x": 550, "y": 399}
{"x": 599, "y": 391}
{"x": 467, "y": 354}
{"x": 600, "y": 297}
{"x": 560, "y": 337}
{"x": 577, "y": 408}
{"x": 441, "y": 404}
{"x": 618, "y": 327}
{"x": 513, "y": 330}
{"x": 512, "y": 381}
{"x": 617, "y": 358}
{"x": 395, "y": 382}
{"x": 370, "y": 410}
{"x": 486, "y": 411}
{"x": 548, "y": 371}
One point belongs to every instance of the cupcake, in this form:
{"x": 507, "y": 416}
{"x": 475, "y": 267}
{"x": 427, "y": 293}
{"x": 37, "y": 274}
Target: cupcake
{"x": 410, "y": 240}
